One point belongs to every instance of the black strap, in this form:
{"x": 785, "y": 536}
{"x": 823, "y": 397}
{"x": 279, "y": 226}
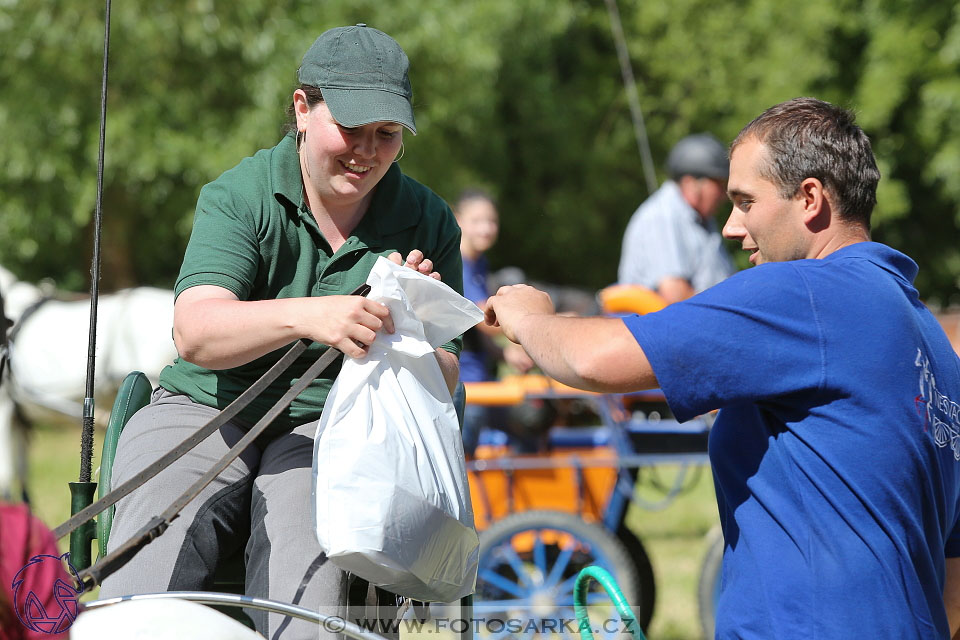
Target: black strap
{"x": 21, "y": 320}
{"x": 5, "y": 322}
{"x": 158, "y": 524}
{"x": 229, "y": 412}
{"x": 9, "y": 330}
{"x": 5, "y": 325}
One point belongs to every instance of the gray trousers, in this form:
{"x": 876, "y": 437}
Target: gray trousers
{"x": 261, "y": 506}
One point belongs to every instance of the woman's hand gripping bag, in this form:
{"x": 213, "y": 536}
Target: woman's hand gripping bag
{"x": 390, "y": 486}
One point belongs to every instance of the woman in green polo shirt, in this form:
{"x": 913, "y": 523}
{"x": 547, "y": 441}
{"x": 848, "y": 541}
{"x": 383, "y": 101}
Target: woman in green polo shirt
{"x": 277, "y": 244}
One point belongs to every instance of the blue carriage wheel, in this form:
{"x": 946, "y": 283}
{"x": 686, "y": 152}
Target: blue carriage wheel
{"x": 529, "y": 562}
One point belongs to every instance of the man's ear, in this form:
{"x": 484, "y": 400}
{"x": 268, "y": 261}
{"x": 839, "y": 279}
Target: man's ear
{"x": 816, "y": 204}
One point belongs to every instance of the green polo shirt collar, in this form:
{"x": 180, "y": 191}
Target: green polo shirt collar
{"x": 286, "y": 172}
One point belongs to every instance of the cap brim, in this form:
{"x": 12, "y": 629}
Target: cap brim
{"x": 357, "y": 107}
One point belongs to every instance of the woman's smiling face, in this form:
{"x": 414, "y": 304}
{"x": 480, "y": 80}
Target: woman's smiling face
{"x": 343, "y": 164}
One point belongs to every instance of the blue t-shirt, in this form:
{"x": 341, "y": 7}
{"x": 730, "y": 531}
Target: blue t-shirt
{"x": 836, "y": 454}
{"x": 473, "y": 360}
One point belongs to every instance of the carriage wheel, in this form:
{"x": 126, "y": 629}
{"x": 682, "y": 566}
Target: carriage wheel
{"x": 529, "y": 562}
{"x": 647, "y": 589}
{"x": 708, "y": 589}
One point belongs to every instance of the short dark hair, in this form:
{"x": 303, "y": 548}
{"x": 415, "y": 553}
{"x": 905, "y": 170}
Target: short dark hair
{"x": 810, "y": 138}
{"x": 470, "y": 194}
{"x": 314, "y": 97}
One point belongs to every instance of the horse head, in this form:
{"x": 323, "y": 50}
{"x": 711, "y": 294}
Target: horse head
{"x": 17, "y": 295}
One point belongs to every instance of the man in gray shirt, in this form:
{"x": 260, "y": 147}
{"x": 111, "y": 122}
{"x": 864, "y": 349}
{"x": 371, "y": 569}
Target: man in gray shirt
{"x": 672, "y": 244}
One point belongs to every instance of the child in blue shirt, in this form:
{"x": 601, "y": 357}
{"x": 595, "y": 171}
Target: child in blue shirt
{"x": 479, "y": 226}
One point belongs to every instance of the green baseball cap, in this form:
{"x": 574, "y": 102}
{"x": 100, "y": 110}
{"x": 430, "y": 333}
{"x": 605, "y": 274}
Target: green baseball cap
{"x": 362, "y": 74}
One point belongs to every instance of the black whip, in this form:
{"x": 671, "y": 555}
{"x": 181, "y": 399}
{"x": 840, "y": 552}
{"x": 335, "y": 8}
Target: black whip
{"x": 81, "y": 492}
{"x": 86, "y": 439}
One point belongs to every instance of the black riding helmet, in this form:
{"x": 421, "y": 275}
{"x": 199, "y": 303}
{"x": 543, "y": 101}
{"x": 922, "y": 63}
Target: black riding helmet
{"x": 701, "y": 156}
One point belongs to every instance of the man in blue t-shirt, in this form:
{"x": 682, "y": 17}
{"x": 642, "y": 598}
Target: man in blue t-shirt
{"x": 836, "y": 453}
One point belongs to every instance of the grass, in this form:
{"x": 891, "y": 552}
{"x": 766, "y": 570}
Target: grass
{"x": 674, "y": 537}
{"x": 54, "y": 462}
{"x": 676, "y": 541}
{"x": 54, "y": 457}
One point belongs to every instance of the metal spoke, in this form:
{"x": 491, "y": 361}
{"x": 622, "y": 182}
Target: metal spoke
{"x": 497, "y": 580}
{"x": 566, "y": 587}
{"x": 540, "y": 556}
{"x": 556, "y": 574}
{"x": 507, "y": 552}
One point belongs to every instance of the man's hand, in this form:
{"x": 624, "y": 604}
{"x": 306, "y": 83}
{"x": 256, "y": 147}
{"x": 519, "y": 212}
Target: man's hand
{"x": 512, "y": 304}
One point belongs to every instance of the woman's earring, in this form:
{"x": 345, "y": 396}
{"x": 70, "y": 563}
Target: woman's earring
{"x": 397, "y": 159}
{"x": 301, "y": 136}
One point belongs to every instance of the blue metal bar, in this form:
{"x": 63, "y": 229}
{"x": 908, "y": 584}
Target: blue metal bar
{"x": 516, "y": 463}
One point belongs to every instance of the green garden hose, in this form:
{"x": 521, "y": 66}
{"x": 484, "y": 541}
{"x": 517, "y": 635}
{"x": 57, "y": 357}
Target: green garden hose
{"x": 613, "y": 590}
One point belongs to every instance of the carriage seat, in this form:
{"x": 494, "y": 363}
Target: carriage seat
{"x": 133, "y": 395}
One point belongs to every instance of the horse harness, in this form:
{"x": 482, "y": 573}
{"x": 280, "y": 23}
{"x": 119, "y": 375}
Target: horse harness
{"x": 9, "y": 329}
{"x": 5, "y": 325}
{"x": 113, "y": 561}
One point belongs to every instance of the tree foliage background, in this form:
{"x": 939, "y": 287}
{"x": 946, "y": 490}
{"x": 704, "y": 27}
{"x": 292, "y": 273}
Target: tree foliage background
{"x": 522, "y": 97}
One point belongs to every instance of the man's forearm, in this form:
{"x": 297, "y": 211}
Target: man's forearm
{"x": 597, "y": 354}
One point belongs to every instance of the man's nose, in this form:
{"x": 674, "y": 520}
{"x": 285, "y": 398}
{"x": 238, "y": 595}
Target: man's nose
{"x": 733, "y": 229}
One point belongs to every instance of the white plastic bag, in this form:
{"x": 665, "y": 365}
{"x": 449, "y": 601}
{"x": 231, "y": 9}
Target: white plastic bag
{"x": 390, "y": 486}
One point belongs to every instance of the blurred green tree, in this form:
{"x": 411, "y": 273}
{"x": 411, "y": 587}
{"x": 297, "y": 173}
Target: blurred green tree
{"x": 523, "y": 98}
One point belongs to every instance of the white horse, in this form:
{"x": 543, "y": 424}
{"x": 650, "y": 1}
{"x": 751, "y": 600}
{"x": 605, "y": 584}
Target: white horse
{"x": 47, "y": 356}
